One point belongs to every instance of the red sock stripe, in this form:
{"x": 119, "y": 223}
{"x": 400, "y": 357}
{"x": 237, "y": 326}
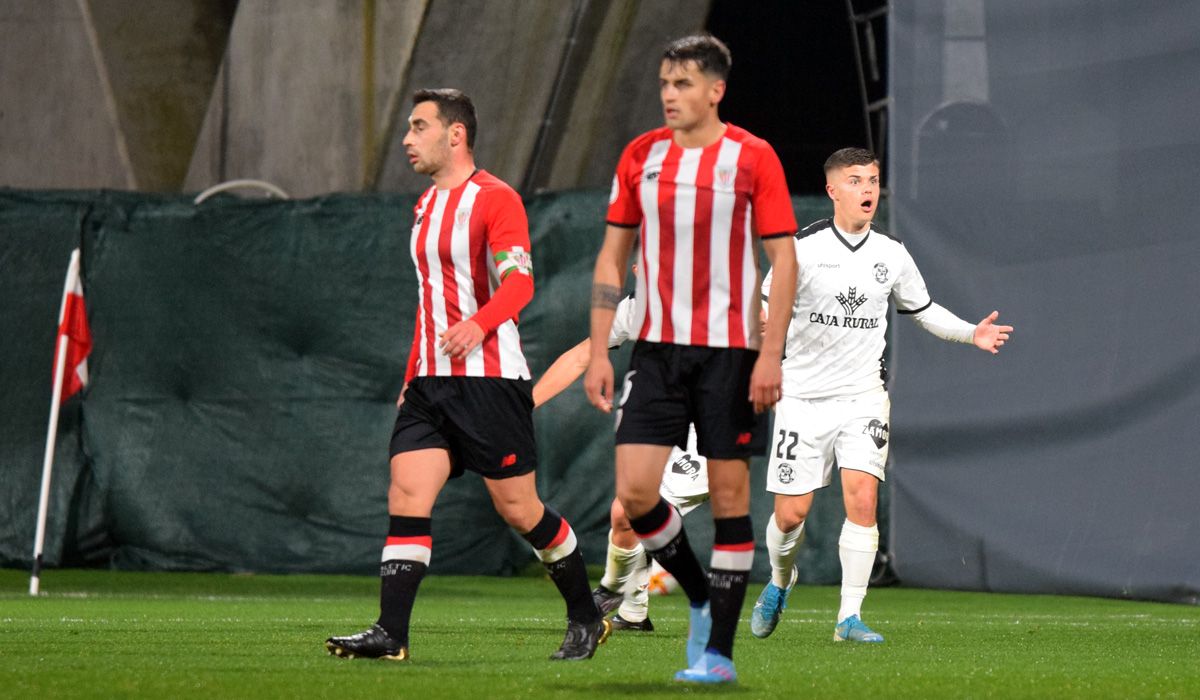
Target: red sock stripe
{"x": 420, "y": 541}
{"x": 563, "y": 530}
{"x": 738, "y": 547}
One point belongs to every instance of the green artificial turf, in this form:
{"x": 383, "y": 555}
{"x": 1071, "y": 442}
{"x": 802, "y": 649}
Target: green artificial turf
{"x": 103, "y": 634}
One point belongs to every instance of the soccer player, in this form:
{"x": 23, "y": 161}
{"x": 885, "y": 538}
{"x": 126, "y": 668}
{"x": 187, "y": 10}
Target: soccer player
{"x": 627, "y": 573}
{"x": 466, "y": 402}
{"x": 698, "y": 193}
{"x": 835, "y": 407}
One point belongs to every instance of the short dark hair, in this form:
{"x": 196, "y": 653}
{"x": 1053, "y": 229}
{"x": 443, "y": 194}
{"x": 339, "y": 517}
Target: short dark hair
{"x": 710, "y": 54}
{"x": 845, "y": 157}
{"x": 453, "y": 106}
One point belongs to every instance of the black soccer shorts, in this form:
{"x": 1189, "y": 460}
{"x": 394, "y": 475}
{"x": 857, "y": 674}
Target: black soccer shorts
{"x": 668, "y": 386}
{"x": 486, "y": 423}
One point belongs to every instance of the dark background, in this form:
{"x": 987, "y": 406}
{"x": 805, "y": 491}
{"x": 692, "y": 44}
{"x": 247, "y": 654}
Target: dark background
{"x": 794, "y": 81}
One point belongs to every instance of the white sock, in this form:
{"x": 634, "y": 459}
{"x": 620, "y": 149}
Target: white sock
{"x": 856, "y": 549}
{"x": 782, "y": 547}
{"x": 636, "y": 605}
{"x": 621, "y": 565}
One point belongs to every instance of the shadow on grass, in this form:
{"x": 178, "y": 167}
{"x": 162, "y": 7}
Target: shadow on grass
{"x": 667, "y": 687}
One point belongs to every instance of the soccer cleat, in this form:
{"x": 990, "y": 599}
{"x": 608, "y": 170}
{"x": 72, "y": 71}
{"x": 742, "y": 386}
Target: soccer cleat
{"x": 374, "y": 643}
{"x": 582, "y": 639}
{"x": 853, "y": 629}
{"x": 768, "y": 609}
{"x": 699, "y": 627}
{"x": 606, "y": 600}
{"x": 620, "y": 623}
{"x": 711, "y": 667}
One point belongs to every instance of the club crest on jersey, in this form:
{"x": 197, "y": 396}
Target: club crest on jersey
{"x": 850, "y": 302}
{"x": 725, "y": 176}
{"x": 878, "y": 432}
{"x": 516, "y": 260}
{"x": 461, "y": 217}
{"x": 881, "y": 273}
{"x": 686, "y": 466}
{"x": 785, "y": 473}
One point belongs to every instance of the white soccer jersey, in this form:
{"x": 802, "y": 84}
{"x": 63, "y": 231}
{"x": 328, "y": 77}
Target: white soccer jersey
{"x": 624, "y": 326}
{"x": 838, "y": 331}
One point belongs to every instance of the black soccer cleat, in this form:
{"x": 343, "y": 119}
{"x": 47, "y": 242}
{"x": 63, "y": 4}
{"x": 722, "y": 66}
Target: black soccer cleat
{"x": 620, "y": 623}
{"x": 374, "y": 643}
{"x": 582, "y": 639}
{"x": 606, "y": 600}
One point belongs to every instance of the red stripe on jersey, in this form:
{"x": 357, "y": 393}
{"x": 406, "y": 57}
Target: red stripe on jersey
{"x": 480, "y": 255}
{"x": 702, "y": 245}
{"x": 425, "y": 315}
{"x": 420, "y": 541}
{"x": 736, "y": 547}
{"x": 445, "y": 243}
{"x": 563, "y": 530}
{"x": 737, "y": 252}
{"x": 666, "y": 239}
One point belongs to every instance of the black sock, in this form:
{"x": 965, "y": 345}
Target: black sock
{"x": 662, "y": 534}
{"x": 733, "y": 554}
{"x": 405, "y": 559}
{"x": 558, "y": 549}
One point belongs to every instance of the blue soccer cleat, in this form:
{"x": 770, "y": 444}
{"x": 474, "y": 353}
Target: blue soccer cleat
{"x": 853, "y": 629}
{"x": 769, "y": 608}
{"x": 699, "y": 627}
{"x": 711, "y": 667}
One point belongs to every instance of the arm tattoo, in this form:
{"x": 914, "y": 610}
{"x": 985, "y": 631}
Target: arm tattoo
{"x": 605, "y": 296}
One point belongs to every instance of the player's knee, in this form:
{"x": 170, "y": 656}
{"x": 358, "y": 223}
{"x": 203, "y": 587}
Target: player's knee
{"x": 519, "y": 514}
{"x": 617, "y": 517}
{"x": 634, "y": 503}
{"x": 790, "y": 517}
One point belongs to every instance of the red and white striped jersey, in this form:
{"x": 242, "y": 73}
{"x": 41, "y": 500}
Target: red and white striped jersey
{"x": 699, "y": 210}
{"x": 465, "y": 243}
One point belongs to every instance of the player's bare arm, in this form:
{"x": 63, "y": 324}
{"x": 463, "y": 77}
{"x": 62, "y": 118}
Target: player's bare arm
{"x": 607, "y": 282}
{"x": 989, "y": 336}
{"x": 766, "y": 381}
{"x": 562, "y": 372}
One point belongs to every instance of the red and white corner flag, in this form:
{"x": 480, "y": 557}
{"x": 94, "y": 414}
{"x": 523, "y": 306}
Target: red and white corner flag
{"x": 73, "y": 327}
{"x": 72, "y": 345}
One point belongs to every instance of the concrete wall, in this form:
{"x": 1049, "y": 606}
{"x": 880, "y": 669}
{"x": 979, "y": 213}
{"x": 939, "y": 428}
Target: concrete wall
{"x": 58, "y": 123}
{"x": 178, "y": 95}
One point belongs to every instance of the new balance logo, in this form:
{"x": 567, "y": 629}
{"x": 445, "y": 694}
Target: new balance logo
{"x": 509, "y": 460}
{"x": 850, "y": 302}
{"x": 743, "y": 439}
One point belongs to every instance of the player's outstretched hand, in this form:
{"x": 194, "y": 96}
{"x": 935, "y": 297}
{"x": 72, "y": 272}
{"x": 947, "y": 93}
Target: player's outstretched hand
{"x": 598, "y": 383}
{"x": 766, "y": 383}
{"x": 460, "y": 339}
{"x": 989, "y": 336}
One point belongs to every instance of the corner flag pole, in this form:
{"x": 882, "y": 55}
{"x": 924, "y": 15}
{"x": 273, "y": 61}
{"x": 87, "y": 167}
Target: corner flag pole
{"x": 52, "y": 431}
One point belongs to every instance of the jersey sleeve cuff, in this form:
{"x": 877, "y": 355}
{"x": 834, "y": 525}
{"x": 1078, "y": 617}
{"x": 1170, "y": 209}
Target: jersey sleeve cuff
{"x": 777, "y": 234}
{"x": 908, "y": 312}
{"x": 618, "y": 224}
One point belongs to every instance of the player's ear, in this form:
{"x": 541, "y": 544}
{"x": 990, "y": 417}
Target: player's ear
{"x": 829, "y": 189}
{"x": 458, "y": 133}
{"x": 716, "y": 92}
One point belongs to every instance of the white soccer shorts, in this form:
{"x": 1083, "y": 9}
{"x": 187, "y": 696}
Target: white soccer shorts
{"x": 811, "y": 434}
{"x": 685, "y": 480}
